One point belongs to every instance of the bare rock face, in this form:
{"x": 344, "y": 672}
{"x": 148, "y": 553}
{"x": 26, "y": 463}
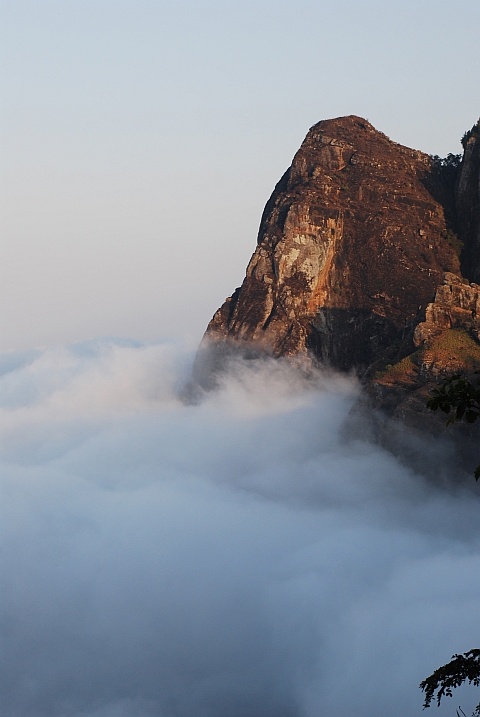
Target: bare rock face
{"x": 456, "y": 304}
{"x": 352, "y": 245}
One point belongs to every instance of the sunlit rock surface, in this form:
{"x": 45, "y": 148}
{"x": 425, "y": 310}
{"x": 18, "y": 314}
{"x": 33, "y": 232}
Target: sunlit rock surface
{"x": 351, "y": 246}
{"x": 366, "y": 259}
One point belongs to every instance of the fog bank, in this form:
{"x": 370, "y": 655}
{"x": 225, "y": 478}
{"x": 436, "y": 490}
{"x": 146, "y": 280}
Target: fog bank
{"x": 236, "y": 558}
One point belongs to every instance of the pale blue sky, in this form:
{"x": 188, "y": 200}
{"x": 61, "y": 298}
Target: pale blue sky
{"x": 140, "y": 140}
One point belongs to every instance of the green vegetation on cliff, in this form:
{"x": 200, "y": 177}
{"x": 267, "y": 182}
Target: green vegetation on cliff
{"x": 451, "y": 352}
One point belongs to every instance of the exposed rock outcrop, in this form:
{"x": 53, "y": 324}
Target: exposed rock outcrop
{"x": 456, "y": 304}
{"x": 351, "y": 246}
{"x": 447, "y": 342}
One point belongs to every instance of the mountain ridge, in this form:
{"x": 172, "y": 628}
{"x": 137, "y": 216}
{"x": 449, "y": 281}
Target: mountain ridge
{"x": 365, "y": 255}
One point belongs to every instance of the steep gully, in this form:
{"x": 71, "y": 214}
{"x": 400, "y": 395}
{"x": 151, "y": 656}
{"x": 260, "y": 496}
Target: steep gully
{"x": 366, "y": 260}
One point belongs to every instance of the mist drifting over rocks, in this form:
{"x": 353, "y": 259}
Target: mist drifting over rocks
{"x": 234, "y": 558}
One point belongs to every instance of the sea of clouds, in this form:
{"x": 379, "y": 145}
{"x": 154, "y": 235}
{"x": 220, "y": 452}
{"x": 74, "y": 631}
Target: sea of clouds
{"x": 234, "y": 558}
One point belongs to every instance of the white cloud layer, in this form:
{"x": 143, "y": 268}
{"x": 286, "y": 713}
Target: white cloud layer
{"x": 236, "y": 558}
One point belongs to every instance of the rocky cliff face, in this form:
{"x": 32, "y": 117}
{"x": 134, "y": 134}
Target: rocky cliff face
{"x": 468, "y": 204}
{"x": 456, "y": 304}
{"x": 360, "y": 263}
{"x": 446, "y": 342}
{"x": 392, "y": 409}
{"x": 352, "y": 244}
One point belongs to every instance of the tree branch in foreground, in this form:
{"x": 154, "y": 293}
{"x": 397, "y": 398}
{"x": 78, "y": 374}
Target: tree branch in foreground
{"x": 461, "y": 668}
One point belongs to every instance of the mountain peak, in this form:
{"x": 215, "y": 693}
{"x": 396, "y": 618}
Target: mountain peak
{"x": 352, "y": 244}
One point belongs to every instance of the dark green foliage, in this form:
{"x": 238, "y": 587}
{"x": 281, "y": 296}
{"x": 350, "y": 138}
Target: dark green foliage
{"x": 454, "y": 241}
{"x": 461, "y": 668}
{"x": 474, "y": 131}
{"x": 450, "y": 161}
{"x": 461, "y": 396}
